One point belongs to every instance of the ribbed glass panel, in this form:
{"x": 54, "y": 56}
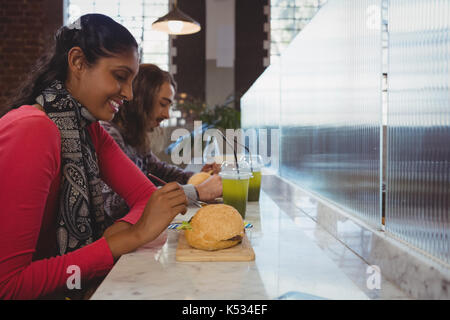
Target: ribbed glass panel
{"x": 418, "y": 177}
{"x": 261, "y": 104}
{"x": 260, "y": 110}
{"x": 331, "y": 106}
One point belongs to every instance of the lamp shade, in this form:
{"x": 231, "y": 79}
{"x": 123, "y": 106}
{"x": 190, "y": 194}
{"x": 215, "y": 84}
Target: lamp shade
{"x": 176, "y": 22}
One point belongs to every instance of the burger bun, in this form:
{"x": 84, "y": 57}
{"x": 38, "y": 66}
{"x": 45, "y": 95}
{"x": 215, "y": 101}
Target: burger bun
{"x": 215, "y": 227}
{"x": 198, "y": 178}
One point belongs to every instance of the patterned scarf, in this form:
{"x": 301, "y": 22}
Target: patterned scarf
{"x": 81, "y": 219}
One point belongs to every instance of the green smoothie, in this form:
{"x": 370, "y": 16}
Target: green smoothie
{"x": 235, "y": 192}
{"x": 254, "y": 186}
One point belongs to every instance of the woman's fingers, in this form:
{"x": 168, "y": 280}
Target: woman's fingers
{"x": 171, "y": 186}
{"x": 206, "y": 167}
{"x": 179, "y": 209}
{"x": 175, "y": 193}
{"x": 178, "y": 200}
{"x": 216, "y": 168}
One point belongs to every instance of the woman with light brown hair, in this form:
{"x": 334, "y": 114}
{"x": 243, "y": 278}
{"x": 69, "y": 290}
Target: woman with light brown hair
{"x": 153, "y": 94}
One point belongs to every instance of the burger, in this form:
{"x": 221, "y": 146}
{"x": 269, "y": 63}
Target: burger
{"x": 215, "y": 227}
{"x": 198, "y": 178}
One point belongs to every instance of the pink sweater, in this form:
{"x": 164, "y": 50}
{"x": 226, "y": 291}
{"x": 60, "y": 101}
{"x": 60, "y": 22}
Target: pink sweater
{"x": 30, "y": 147}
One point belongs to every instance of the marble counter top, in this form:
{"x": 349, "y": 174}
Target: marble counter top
{"x": 287, "y": 259}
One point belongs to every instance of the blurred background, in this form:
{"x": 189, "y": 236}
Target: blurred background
{"x": 213, "y": 68}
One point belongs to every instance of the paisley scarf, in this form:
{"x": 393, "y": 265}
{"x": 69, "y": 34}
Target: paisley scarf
{"x": 81, "y": 218}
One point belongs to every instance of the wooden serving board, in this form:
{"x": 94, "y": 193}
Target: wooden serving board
{"x": 240, "y": 252}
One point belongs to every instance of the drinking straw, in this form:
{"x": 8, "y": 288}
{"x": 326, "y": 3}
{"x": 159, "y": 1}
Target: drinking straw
{"x": 245, "y": 147}
{"x": 234, "y": 151}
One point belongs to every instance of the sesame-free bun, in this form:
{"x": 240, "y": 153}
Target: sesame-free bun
{"x": 198, "y": 178}
{"x": 214, "y": 227}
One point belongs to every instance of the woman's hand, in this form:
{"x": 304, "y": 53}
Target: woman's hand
{"x": 210, "y": 189}
{"x": 163, "y": 205}
{"x": 214, "y": 167}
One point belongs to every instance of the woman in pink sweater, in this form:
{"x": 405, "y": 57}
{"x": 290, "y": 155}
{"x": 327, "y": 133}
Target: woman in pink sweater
{"x": 53, "y": 154}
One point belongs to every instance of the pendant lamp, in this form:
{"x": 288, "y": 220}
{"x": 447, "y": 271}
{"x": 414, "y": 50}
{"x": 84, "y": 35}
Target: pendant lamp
{"x": 176, "y": 22}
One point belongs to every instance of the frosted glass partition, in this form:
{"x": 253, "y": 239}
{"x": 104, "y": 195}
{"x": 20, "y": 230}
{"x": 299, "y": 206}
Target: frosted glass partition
{"x": 260, "y": 110}
{"x": 261, "y": 104}
{"x": 331, "y": 107}
{"x": 325, "y": 97}
{"x": 418, "y": 168}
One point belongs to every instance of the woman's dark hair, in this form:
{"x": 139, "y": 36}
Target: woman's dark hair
{"x": 133, "y": 119}
{"x": 96, "y": 34}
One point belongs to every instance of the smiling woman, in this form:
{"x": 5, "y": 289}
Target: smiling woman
{"x": 58, "y": 220}
{"x": 103, "y": 88}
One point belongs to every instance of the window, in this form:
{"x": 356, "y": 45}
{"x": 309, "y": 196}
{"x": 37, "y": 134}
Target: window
{"x": 137, "y": 16}
{"x": 287, "y": 19}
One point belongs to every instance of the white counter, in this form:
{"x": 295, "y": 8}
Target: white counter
{"x": 288, "y": 258}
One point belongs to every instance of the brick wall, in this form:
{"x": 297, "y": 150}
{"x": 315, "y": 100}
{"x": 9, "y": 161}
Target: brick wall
{"x": 26, "y": 26}
{"x": 191, "y": 52}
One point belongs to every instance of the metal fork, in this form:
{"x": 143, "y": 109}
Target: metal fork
{"x": 195, "y": 202}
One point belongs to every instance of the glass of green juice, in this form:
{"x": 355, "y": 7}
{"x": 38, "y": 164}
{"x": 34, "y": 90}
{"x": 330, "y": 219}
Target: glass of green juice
{"x": 254, "y": 187}
{"x": 235, "y": 187}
